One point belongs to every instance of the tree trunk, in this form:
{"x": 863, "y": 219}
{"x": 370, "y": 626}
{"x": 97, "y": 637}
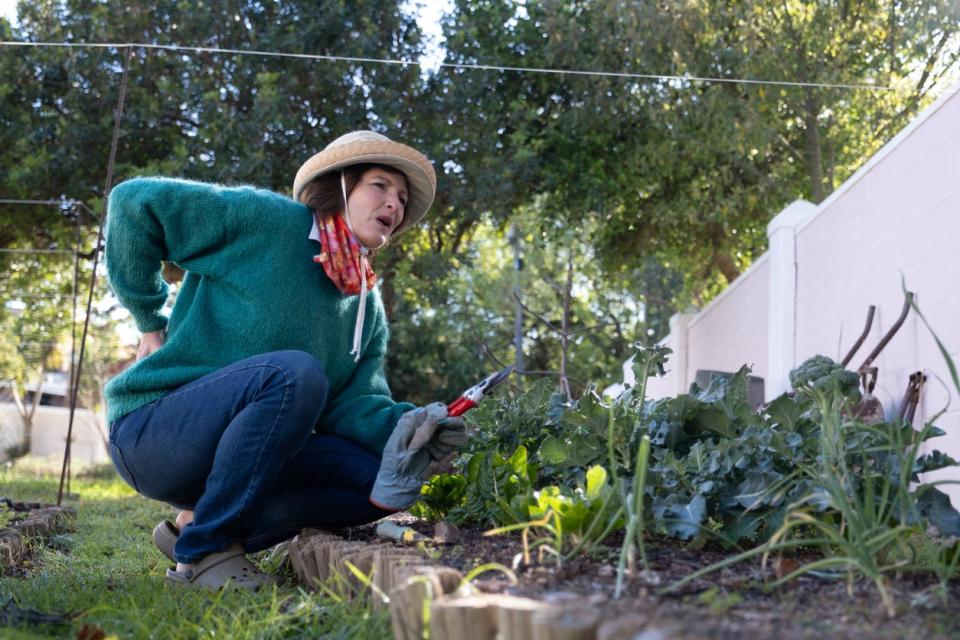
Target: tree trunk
{"x": 514, "y": 237}
{"x": 565, "y": 329}
{"x": 727, "y": 267}
{"x": 388, "y": 294}
{"x": 26, "y": 414}
{"x": 811, "y": 138}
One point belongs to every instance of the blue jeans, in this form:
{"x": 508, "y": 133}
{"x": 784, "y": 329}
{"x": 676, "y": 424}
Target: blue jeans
{"x": 238, "y": 447}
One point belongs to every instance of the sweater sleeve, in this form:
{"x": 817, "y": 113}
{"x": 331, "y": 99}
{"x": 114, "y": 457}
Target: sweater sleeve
{"x": 364, "y": 410}
{"x": 152, "y": 219}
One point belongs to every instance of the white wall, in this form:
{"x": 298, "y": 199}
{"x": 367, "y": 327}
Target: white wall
{"x": 733, "y": 328}
{"x": 898, "y": 216}
{"x": 50, "y": 432}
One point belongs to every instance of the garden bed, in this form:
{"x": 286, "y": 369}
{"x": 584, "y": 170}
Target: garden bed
{"x": 800, "y": 517}
{"x": 732, "y": 602}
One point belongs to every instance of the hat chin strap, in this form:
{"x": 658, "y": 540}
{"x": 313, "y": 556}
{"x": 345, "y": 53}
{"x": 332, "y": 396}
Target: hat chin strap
{"x": 362, "y": 309}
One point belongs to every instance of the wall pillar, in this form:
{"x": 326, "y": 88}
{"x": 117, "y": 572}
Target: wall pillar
{"x": 782, "y": 300}
{"x": 679, "y": 325}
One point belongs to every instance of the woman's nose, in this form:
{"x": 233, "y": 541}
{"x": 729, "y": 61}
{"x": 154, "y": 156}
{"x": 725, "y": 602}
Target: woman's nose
{"x": 393, "y": 202}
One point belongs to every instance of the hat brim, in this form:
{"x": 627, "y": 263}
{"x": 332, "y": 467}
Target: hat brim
{"x": 421, "y": 178}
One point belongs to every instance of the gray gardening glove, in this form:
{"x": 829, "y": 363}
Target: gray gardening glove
{"x": 406, "y": 457}
{"x": 450, "y": 435}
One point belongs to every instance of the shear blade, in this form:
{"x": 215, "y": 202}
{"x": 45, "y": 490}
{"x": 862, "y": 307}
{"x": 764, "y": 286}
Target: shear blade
{"x": 497, "y": 379}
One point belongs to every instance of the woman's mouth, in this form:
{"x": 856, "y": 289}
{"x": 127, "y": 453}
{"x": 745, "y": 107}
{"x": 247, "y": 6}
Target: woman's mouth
{"x": 385, "y": 221}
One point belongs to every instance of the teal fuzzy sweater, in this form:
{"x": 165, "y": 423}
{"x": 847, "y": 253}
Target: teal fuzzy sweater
{"x": 251, "y": 287}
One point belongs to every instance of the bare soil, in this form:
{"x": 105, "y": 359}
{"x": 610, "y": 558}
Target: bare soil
{"x": 735, "y": 602}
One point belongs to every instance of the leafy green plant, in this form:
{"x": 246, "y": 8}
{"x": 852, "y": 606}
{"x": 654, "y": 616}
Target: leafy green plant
{"x": 645, "y": 364}
{"x": 859, "y": 506}
{"x": 497, "y": 488}
{"x": 634, "y": 538}
{"x": 577, "y": 510}
{"x": 439, "y": 495}
{"x": 800, "y": 473}
{"x": 860, "y": 516}
{"x": 518, "y": 418}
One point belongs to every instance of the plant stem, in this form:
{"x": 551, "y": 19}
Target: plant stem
{"x": 639, "y": 489}
{"x": 633, "y": 502}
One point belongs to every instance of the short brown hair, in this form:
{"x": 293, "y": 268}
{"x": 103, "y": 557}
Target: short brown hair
{"x": 323, "y": 194}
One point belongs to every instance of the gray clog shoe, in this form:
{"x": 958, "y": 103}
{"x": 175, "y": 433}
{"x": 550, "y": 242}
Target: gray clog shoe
{"x": 229, "y": 568}
{"x": 165, "y": 537}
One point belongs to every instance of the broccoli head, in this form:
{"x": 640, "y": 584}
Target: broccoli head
{"x": 820, "y": 372}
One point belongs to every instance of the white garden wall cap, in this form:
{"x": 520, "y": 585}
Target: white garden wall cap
{"x": 369, "y": 147}
{"x": 793, "y": 215}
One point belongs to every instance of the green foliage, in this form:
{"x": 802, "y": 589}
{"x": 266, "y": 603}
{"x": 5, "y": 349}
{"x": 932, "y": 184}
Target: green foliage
{"x": 524, "y": 417}
{"x": 613, "y": 175}
{"x": 439, "y": 495}
{"x": 662, "y": 161}
{"x": 823, "y": 374}
{"x": 497, "y": 488}
{"x": 576, "y": 509}
{"x": 863, "y": 506}
{"x": 7, "y": 516}
{"x": 704, "y": 466}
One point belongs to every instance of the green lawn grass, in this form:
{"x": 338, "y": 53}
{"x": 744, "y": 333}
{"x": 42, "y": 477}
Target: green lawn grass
{"x": 106, "y": 571}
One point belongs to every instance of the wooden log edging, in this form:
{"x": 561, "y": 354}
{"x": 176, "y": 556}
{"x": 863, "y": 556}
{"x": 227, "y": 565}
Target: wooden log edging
{"x": 39, "y": 522}
{"x": 423, "y": 593}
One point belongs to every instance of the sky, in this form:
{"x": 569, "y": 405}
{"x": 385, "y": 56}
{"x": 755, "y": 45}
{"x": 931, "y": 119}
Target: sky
{"x": 8, "y": 8}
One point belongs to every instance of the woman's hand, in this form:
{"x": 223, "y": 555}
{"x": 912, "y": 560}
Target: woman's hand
{"x": 150, "y": 342}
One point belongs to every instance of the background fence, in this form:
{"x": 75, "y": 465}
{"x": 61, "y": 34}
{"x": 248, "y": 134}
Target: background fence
{"x": 897, "y": 218}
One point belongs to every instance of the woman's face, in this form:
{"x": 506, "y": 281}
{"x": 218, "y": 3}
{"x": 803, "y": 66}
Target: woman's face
{"x": 376, "y": 206}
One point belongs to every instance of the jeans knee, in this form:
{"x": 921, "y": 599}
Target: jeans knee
{"x": 306, "y": 375}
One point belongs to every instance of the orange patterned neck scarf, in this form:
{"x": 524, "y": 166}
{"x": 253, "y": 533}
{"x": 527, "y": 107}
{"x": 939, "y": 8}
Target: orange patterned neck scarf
{"x": 342, "y": 256}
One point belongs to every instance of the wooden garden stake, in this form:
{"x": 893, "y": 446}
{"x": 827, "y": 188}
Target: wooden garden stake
{"x": 295, "y": 555}
{"x": 515, "y": 617}
{"x": 303, "y": 555}
{"x": 362, "y": 559}
{"x": 384, "y": 562}
{"x": 339, "y": 578}
{"x": 624, "y": 627}
{"x": 566, "y": 624}
{"x": 411, "y": 601}
{"x": 309, "y": 560}
{"x": 11, "y": 548}
{"x": 469, "y": 618}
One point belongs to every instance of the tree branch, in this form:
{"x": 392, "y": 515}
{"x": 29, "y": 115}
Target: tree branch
{"x": 536, "y": 315}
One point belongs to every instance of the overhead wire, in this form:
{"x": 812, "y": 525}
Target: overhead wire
{"x": 61, "y": 251}
{"x": 62, "y": 203}
{"x": 450, "y": 65}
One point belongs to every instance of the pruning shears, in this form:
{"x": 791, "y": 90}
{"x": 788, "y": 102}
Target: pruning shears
{"x": 472, "y": 396}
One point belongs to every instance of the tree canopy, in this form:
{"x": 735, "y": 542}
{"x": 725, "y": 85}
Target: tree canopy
{"x": 655, "y": 191}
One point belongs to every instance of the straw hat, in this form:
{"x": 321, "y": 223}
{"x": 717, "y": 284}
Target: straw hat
{"x": 363, "y": 147}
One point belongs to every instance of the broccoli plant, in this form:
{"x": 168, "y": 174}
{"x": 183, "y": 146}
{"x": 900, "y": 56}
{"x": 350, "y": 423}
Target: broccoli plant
{"x": 823, "y": 374}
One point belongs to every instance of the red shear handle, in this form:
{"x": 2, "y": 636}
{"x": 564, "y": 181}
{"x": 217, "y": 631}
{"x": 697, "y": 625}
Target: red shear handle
{"x": 460, "y": 406}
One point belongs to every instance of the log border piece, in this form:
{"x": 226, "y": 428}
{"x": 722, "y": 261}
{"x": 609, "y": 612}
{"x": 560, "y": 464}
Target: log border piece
{"x": 40, "y": 521}
{"x": 422, "y": 595}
